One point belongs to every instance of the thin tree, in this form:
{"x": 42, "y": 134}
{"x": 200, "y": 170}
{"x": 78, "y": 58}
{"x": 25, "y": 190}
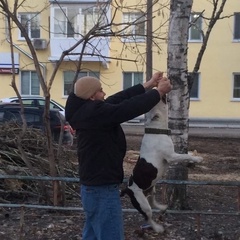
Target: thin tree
{"x": 179, "y": 98}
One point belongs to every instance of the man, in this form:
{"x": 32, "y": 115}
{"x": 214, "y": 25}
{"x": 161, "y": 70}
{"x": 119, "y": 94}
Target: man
{"x": 102, "y": 147}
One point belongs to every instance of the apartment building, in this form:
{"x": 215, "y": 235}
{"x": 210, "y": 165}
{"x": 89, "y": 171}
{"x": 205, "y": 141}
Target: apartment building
{"x": 119, "y": 60}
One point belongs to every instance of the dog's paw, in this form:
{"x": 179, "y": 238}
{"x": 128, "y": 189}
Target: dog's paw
{"x": 198, "y": 159}
{"x": 158, "y": 228}
{"x": 163, "y": 207}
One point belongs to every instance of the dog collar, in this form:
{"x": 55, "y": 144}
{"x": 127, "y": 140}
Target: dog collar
{"x": 157, "y": 131}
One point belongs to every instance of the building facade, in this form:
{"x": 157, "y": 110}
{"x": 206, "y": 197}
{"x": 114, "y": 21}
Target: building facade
{"x": 115, "y": 52}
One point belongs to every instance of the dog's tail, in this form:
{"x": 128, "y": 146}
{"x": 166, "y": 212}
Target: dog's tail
{"x": 133, "y": 199}
{"x": 127, "y": 190}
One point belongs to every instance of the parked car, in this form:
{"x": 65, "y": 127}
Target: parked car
{"x": 34, "y": 118}
{"x": 34, "y": 101}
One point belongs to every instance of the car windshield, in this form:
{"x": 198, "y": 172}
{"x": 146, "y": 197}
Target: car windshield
{"x": 40, "y": 102}
{"x": 58, "y": 104}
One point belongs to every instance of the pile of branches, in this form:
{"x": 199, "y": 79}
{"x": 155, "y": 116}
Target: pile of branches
{"x": 34, "y": 144}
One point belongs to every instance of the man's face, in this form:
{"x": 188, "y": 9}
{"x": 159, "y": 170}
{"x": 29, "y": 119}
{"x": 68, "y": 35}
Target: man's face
{"x": 99, "y": 95}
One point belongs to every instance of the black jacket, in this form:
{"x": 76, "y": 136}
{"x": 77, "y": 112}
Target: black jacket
{"x": 101, "y": 140}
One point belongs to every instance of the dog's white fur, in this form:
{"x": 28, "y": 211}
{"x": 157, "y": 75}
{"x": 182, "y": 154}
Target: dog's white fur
{"x": 157, "y": 150}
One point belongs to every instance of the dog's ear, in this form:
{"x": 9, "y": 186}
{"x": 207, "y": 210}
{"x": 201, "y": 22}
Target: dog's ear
{"x": 164, "y": 99}
{"x": 130, "y": 181}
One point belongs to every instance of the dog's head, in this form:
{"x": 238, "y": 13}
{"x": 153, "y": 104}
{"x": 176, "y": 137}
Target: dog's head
{"x": 158, "y": 115}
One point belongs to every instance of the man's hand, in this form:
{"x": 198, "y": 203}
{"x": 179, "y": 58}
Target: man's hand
{"x": 164, "y": 86}
{"x": 156, "y": 78}
{"x": 153, "y": 82}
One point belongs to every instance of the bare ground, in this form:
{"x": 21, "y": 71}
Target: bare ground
{"x": 221, "y": 163}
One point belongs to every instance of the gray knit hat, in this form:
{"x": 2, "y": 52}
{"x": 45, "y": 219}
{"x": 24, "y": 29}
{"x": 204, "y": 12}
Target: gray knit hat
{"x": 85, "y": 87}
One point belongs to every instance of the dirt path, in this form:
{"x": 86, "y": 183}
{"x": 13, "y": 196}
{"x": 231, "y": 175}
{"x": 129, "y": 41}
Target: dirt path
{"x": 221, "y": 162}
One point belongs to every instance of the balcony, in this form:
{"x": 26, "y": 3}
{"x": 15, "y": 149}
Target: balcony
{"x": 96, "y": 50}
{"x": 69, "y": 20}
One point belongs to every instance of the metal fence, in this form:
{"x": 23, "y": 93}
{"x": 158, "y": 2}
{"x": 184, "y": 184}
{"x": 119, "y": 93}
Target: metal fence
{"x": 197, "y": 214}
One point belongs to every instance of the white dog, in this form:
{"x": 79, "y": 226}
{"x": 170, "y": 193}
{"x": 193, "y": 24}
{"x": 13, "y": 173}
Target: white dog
{"x": 156, "y": 153}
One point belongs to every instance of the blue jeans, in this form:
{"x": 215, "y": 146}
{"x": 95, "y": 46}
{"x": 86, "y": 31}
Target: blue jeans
{"x": 103, "y": 212}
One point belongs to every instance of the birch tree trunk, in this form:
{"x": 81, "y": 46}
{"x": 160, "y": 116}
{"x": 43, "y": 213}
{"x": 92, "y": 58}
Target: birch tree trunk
{"x": 179, "y": 96}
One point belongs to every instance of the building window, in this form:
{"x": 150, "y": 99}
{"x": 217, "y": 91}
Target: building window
{"x": 69, "y": 76}
{"x": 29, "y": 83}
{"x": 71, "y": 21}
{"x": 195, "y": 27}
{"x": 194, "y": 92}
{"x": 31, "y": 23}
{"x": 92, "y": 74}
{"x": 134, "y": 25}
{"x": 236, "y": 33}
{"x": 64, "y": 22}
{"x": 132, "y": 78}
{"x": 89, "y": 17}
{"x": 236, "y": 86}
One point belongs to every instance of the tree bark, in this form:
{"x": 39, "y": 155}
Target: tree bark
{"x": 179, "y": 96}
{"x": 177, "y": 194}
